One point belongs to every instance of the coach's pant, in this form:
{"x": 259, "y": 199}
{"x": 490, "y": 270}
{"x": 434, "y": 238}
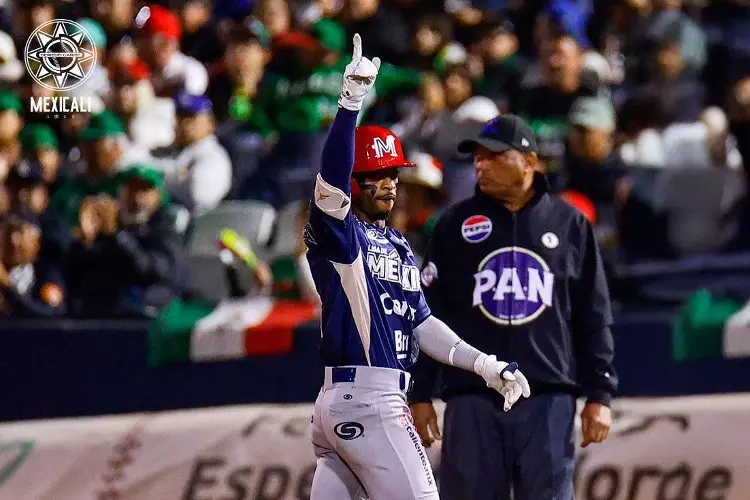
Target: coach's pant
{"x": 365, "y": 441}
{"x": 486, "y": 450}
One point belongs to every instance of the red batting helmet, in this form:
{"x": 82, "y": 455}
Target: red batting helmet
{"x": 376, "y": 148}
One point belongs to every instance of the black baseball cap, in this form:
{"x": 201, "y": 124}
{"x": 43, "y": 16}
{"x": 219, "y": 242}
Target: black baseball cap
{"x": 26, "y": 173}
{"x": 501, "y": 134}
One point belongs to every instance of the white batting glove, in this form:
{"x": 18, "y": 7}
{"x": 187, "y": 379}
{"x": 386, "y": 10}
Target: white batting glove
{"x": 505, "y": 378}
{"x": 359, "y": 77}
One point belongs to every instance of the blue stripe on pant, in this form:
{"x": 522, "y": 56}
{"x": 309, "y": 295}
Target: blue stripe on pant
{"x": 486, "y": 450}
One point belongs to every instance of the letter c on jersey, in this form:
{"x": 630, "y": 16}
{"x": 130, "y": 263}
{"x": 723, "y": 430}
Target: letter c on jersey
{"x": 348, "y": 430}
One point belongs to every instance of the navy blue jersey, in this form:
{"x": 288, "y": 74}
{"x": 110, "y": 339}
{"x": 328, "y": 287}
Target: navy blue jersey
{"x": 367, "y": 277}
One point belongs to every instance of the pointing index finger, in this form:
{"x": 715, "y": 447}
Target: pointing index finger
{"x": 357, "y": 53}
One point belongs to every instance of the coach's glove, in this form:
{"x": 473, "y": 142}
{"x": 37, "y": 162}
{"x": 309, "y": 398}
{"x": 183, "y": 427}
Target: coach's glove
{"x": 505, "y": 378}
{"x": 359, "y": 77}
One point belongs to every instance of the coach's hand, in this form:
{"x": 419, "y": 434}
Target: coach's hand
{"x": 425, "y": 420}
{"x": 359, "y": 77}
{"x": 596, "y": 419}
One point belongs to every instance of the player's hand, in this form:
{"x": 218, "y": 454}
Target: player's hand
{"x": 425, "y": 420}
{"x": 359, "y": 77}
{"x": 505, "y": 378}
{"x": 596, "y": 419}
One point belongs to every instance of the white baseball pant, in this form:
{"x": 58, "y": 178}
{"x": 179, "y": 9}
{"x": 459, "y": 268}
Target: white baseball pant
{"x": 365, "y": 439}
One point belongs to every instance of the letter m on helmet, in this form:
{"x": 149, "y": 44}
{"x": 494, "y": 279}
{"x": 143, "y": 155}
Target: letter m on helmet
{"x": 382, "y": 147}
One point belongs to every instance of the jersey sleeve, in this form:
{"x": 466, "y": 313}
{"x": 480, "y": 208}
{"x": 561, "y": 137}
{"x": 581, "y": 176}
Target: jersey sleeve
{"x": 332, "y": 226}
{"x": 423, "y": 311}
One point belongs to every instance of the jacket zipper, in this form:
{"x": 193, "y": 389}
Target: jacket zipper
{"x": 511, "y": 297}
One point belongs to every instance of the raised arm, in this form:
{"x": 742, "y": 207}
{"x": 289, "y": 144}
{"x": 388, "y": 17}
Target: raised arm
{"x": 337, "y": 159}
{"x": 332, "y": 232}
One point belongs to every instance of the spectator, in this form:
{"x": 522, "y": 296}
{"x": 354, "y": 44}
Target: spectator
{"x": 689, "y": 39}
{"x": 462, "y": 117}
{"x": 234, "y": 88}
{"x": 98, "y": 82}
{"x": 196, "y": 167}
{"x": 545, "y": 106}
{"x": 39, "y": 143}
{"x": 29, "y": 286}
{"x": 27, "y": 187}
{"x": 275, "y": 15}
{"x": 590, "y": 167}
{"x": 116, "y": 17}
{"x": 421, "y": 113}
{"x": 29, "y": 190}
{"x": 201, "y": 38}
{"x": 642, "y": 119}
{"x": 502, "y": 67}
{"x": 11, "y": 123}
{"x": 372, "y": 19}
{"x": 104, "y": 153}
{"x": 29, "y": 14}
{"x": 150, "y": 120}
{"x": 11, "y": 68}
{"x": 459, "y": 88}
{"x": 431, "y": 33}
{"x": 420, "y": 201}
{"x": 171, "y": 70}
{"x": 673, "y": 82}
{"x": 126, "y": 259}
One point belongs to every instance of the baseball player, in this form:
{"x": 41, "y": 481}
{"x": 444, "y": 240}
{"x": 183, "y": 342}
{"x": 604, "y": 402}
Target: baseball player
{"x": 374, "y": 316}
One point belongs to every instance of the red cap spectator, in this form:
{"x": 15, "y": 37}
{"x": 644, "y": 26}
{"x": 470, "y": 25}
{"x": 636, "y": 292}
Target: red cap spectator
{"x": 163, "y": 22}
{"x": 133, "y": 72}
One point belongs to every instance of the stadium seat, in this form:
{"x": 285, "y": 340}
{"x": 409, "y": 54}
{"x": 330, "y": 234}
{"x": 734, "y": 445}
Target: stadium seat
{"x": 208, "y": 279}
{"x": 673, "y": 282}
{"x": 285, "y": 234}
{"x": 251, "y": 219}
{"x": 701, "y": 207}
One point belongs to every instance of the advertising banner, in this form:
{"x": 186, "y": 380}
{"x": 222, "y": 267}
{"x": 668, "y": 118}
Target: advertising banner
{"x": 663, "y": 449}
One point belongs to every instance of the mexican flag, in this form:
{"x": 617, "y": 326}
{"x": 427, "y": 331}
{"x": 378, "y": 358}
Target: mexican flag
{"x": 711, "y": 326}
{"x": 197, "y": 332}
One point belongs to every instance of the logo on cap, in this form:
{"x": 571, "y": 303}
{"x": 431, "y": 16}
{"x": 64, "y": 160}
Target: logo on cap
{"x": 382, "y": 147}
{"x": 60, "y": 55}
{"x": 476, "y": 228}
{"x": 513, "y": 286}
{"x": 490, "y": 127}
{"x": 525, "y": 142}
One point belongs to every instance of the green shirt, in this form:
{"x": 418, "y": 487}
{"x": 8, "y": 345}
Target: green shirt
{"x": 309, "y": 103}
{"x": 69, "y": 196}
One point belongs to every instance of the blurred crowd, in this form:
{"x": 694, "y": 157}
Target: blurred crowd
{"x": 206, "y": 107}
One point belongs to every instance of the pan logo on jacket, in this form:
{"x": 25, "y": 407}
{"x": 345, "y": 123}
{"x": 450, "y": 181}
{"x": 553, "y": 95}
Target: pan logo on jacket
{"x": 513, "y": 286}
{"x": 476, "y": 228}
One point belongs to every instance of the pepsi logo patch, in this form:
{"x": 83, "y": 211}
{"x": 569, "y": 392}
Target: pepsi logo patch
{"x": 476, "y": 228}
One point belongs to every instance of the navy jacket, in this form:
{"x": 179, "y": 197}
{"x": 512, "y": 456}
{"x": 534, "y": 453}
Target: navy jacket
{"x": 526, "y": 286}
